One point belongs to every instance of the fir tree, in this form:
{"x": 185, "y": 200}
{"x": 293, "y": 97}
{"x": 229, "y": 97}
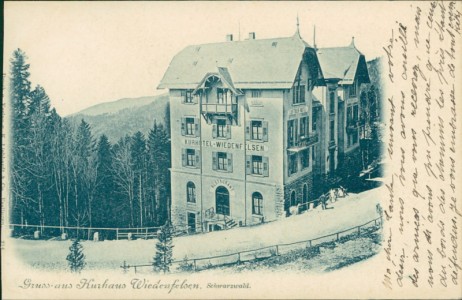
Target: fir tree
{"x": 138, "y": 153}
{"x": 158, "y": 145}
{"x": 163, "y": 257}
{"x": 105, "y": 187}
{"x": 23, "y": 204}
{"x": 76, "y": 258}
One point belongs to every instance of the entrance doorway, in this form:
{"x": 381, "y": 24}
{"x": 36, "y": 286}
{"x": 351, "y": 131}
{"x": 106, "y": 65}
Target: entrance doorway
{"x": 331, "y": 162}
{"x": 191, "y": 222}
{"x": 293, "y": 200}
{"x": 222, "y": 200}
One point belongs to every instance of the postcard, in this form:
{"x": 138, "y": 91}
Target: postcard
{"x": 231, "y": 150}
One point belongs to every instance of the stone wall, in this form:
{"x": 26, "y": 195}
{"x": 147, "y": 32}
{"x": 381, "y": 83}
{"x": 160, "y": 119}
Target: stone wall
{"x": 297, "y": 186}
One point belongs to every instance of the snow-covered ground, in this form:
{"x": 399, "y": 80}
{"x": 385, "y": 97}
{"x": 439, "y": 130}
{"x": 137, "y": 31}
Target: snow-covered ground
{"x": 351, "y": 211}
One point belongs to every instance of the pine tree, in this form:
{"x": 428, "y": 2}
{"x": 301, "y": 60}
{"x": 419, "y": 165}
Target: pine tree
{"x": 23, "y": 205}
{"x": 138, "y": 153}
{"x": 76, "y": 258}
{"x": 105, "y": 186}
{"x": 124, "y": 180}
{"x": 159, "y": 178}
{"x": 164, "y": 246}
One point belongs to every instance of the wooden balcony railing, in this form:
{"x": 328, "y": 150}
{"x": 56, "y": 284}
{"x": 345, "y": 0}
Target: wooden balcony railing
{"x": 305, "y": 142}
{"x": 219, "y": 108}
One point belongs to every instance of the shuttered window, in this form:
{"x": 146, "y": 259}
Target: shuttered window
{"x": 190, "y": 126}
{"x": 221, "y": 128}
{"x": 190, "y": 158}
{"x": 222, "y": 161}
{"x": 257, "y": 165}
{"x": 257, "y": 130}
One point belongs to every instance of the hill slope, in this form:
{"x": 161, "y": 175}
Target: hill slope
{"x": 125, "y": 116}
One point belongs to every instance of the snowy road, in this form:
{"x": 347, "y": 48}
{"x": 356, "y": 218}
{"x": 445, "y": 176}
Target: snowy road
{"x": 351, "y": 211}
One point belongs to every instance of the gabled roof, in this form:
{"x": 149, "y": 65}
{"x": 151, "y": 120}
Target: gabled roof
{"x": 343, "y": 64}
{"x": 223, "y": 75}
{"x": 265, "y": 63}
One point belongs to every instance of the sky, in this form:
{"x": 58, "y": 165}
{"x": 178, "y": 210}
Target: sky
{"x": 85, "y": 53}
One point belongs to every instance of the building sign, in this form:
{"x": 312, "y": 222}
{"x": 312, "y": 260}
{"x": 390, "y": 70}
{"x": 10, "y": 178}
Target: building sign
{"x": 255, "y": 102}
{"x": 298, "y": 110}
{"x": 226, "y": 145}
{"x": 222, "y": 182}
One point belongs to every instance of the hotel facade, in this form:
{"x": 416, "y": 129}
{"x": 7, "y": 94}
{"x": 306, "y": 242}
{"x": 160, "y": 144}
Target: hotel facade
{"x": 247, "y": 133}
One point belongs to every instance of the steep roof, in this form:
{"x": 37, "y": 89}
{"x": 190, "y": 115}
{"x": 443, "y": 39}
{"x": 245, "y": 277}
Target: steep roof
{"x": 343, "y": 64}
{"x": 265, "y": 63}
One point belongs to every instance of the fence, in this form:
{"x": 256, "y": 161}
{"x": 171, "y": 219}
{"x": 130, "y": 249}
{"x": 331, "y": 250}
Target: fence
{"x": 88, "y": 232}
{"x": 337, "y": 193}
{"x": 196, "y": 264}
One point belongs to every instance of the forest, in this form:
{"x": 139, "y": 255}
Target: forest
{"x": 62, "y": 175}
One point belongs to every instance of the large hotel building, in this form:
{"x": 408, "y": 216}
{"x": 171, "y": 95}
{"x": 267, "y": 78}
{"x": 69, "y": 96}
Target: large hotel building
{"x": 254, "y": 123}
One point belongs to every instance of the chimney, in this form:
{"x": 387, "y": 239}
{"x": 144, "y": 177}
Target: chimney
{"x": 251, "y": 35}
{"x": 229, "y": 37}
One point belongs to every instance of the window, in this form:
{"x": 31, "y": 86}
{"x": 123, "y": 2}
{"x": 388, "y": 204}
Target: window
{"x": 257, "y": 130}
{"x": 349, "y": 115}
{"x": 352, "y": 115}
{"x": 257, "y": 165}
{"x": 353, "y": 90}
{"x": 332, "y": 102}
{"x": 190, "y": 126}
{"x": 187, "y": 96}
{"x": 305, "y": 158}
{"x": 256, "y": 93}
{"x": 355, "y": 112}
{"x": 291, "y": 133}
{"x": 257, "y": 204}
{"x": 332, "y": 130}
{"x": 314, "y": 122}
{"x": 293, "y": 165}
{"x": 304, "y": 127}
{"x": 355, "y": 136}
{"x": 190, "y": 157}
{"x": 298, "y": 93}
{"x": 222, "y": 161}
{"x": 221, "y": 128}
{"x": 222, "y": 96}
{"x": 191, "y": 192}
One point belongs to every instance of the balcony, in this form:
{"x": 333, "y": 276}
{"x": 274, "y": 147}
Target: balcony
{"x": 209, "y": 110}
{"x": 352, "y": 126}
{"x": 219, "y": 108}
{"x": 303, "y": 142}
